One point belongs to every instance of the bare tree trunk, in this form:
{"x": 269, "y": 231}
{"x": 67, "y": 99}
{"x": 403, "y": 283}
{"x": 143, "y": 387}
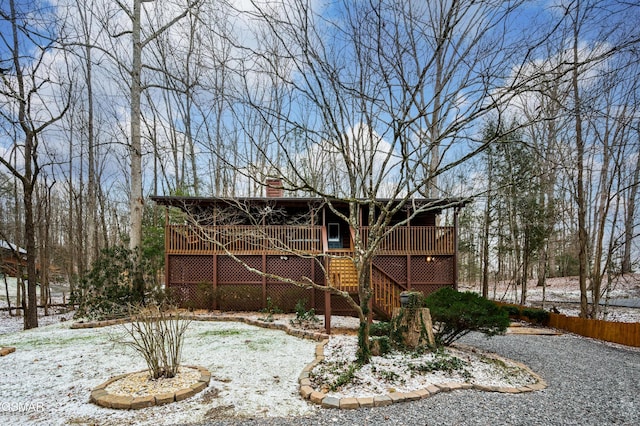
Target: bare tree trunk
{"x": 630, "y": 214}
{"x": 486, "y": 229}
{"x": 28, "y": 178}
{"x": 41, "y": 203}
{"x": 583, "y": 235}
{"x": 363, "y": 269}
{"x": 525, "y": 270}
{"x": 92, "y": 205}
{"x": 31, "y": 312}
{"x": 18, "y": 239}
{"x": 103, "y": 218}
{"x": 189, "y": 103}
{"x": 6, "y": 289}
{"x": 21, "y": 291}
{"x": 600, "y": 224}
{"x": 136, "y": 200}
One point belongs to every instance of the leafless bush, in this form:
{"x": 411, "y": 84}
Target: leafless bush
{"x": 158, "y": 335}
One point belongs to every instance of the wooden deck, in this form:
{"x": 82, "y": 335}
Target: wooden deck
{"x": 301, "y": 240}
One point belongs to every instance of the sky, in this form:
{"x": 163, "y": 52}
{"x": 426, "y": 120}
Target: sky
{"x": 110, "y": 85}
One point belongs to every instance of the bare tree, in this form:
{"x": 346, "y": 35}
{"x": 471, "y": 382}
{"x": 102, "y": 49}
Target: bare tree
{"x": 27, "y": 88}
{"x": 217, "y": 134}
{"x": 612, "y": 127}
{"x": 586, "y": 18}
{"x": 379, "y": 96}
{"x": 142, "y": 33}
{"x": 629, "y": 221}
{"x": 180, "y": 84}
{"x": 634, "y": 177}
{"x": 87, "y": 28}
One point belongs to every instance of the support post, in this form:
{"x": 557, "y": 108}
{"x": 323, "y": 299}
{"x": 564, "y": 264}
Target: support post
{"x": 167, "y": 237}
{"x": 327, "y": 312}
{"x": 455, "y": 248}
{"x": 215, "y": 282}
{"x": 264, "y": 280}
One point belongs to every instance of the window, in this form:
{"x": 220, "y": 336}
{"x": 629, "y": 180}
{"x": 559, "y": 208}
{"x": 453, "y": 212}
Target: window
{"x": 334, "y": 237}
{"x": 334, "y": 232}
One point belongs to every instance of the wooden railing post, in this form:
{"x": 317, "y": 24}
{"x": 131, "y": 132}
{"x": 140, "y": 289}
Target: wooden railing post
{"x": 327, "y": 312}
{"x": 167, "y": 239}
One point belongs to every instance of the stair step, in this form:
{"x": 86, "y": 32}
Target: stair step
{"x": 345, "y": 274}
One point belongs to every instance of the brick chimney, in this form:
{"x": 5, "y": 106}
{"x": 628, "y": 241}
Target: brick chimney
{"x": 274, "y": 188}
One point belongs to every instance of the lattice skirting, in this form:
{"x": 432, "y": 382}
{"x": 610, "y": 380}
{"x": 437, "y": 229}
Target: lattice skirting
{"x": 208, "y": 282}
{"x": 438, "y": 269}
{"x": 244, "y": 297}
{"x": 205, "y": 282}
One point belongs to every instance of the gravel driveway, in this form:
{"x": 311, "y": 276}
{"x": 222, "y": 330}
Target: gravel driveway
{"x": 590, "y": 383}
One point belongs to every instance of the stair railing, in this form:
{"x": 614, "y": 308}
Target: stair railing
{"x": 386, "y": 291}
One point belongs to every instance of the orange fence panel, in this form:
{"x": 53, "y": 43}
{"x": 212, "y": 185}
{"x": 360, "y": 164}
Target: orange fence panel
{"x": 624, "y": 333}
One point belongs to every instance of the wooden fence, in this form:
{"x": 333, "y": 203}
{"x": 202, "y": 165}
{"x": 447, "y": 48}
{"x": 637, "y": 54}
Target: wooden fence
{"x": 624, "y": 333}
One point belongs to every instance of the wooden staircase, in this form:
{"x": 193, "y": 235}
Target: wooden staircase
{"x": 343, "y": 275}
{"x": 386, "y": 291}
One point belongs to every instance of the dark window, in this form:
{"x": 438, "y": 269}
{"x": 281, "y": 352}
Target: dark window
{"x": 334, "y": 232}
{"x": 334, "y": 237}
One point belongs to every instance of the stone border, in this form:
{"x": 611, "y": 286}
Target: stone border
{"x": 6, "y": 350}
{"x": 101, "y": 397}
{"x": 304, "y": 334}
{"x": 320, "y": 398}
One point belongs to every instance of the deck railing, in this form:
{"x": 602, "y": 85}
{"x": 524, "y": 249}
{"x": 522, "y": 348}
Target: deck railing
{"x": 386, "y": 292}
{"x": 428, "y": 240}
{"x": 245, "y": 239}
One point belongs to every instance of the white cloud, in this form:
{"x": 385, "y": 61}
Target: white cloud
{"x": 359, "y": 152}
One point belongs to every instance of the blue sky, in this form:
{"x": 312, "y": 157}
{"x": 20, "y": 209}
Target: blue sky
{"x": 112, "y": 97}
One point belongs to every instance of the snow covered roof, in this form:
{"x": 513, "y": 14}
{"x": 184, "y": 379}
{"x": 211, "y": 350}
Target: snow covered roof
{"x": 12, "y": 247}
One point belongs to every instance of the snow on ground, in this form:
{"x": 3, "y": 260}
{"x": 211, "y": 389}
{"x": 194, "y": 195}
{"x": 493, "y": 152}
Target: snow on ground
{"x": 254, "y": 373}
{"x": 9, "y": 324}
{"x": 49, "y": 377}
{"x": 59, "y": 291}
{"x": 560, "y": 293}
{"x": 12, "y": 324}
{"x": 254, "y": 370}
{"x": 397, "y": 372}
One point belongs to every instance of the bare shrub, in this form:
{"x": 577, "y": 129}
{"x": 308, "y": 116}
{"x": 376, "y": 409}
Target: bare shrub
{"x": 157, "y": 334}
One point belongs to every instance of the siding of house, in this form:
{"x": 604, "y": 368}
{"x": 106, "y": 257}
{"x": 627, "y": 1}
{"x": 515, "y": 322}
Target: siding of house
{"x": 201, "y": 275}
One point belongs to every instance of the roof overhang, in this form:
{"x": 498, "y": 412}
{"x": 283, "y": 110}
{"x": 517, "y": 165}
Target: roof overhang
{"x": 187, "y": 203}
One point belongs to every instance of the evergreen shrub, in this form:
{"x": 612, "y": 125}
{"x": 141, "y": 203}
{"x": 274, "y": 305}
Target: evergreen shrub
{"x": 455, "y": 314}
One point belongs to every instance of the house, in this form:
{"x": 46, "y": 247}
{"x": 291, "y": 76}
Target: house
{"x": 237, "y": 254}
{"x": 13, "y": 259}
